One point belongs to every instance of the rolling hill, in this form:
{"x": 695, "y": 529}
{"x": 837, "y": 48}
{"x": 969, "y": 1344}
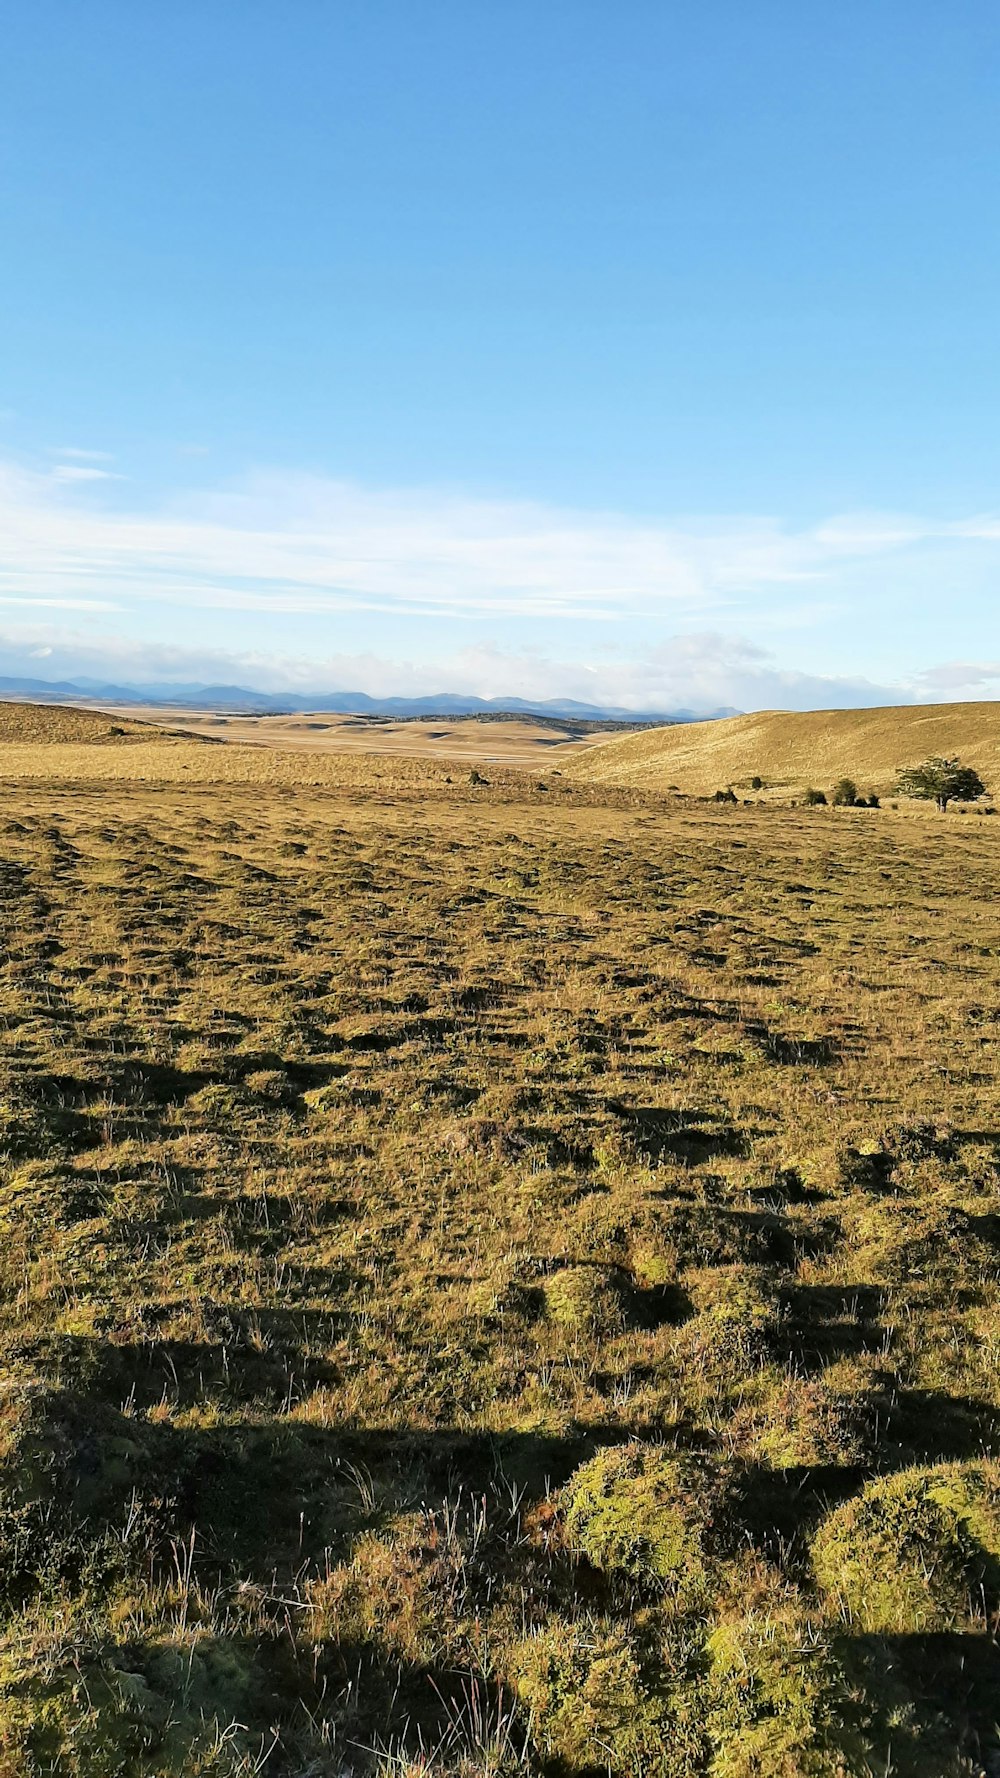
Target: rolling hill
{"x": 52, "y": 725}
{"x": 789, "y": 749}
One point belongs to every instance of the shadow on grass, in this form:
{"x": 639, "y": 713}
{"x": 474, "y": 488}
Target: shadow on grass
{"x": 957, "y": 1675}
{"x": 692, "y": 1137}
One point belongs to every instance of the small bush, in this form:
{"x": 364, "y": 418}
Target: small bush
{"x": 725, "y": 796}
{"x": 844, "y": 794}
{"x": 644, "y": 1511}
{"x": 813, "y": 798}
{"x": 756, "y": 783}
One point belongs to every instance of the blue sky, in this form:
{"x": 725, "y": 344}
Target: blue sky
{"x": 642, "y": 352}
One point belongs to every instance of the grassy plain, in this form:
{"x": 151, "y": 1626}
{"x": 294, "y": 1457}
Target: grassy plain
{"x": 492, "y": 1277}
{"x": 791, "y": 750}
{"x": 519, "y": 741}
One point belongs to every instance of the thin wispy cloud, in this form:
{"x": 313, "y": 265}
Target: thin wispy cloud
{"x": 82, "y": 472}
{"x": 33, "y": 602}
{"x": 83, "y": 453}
{"x": 607, "y": 607}
{"x": 298, "y": 544}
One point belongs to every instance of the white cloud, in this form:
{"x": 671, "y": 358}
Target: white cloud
{"x": 692, "y": 672}
{"x": 609, "y": 586}
{"x": 300, "y": 544}
{"x": 82, "y": 472}
{"x": 959, "y": 675}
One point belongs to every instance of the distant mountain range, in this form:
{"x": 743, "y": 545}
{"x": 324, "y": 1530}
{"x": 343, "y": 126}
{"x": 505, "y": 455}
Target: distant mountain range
{"x": 241, "y": 699}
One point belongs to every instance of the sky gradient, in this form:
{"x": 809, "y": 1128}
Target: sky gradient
{"x": 641, "y": 353}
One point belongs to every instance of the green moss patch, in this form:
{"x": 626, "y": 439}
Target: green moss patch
{"x": 645, "y": 1512}
{"x": 914, "y": 1552}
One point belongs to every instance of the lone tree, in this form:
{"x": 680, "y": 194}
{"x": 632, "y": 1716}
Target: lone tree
{"x": 941, "y": 781}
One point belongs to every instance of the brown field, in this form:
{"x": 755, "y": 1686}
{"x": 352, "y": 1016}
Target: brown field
{"x": 519, "y": 742}
{"x": 493, "y": 1279}
{"x": 791, "y": 751}
{"x": 54, "y": 725}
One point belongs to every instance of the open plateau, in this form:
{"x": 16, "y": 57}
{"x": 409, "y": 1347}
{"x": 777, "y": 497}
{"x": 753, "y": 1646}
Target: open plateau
{"x": 499, "y": 1249}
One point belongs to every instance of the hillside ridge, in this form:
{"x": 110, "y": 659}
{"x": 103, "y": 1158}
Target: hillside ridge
{"x": 789, "y": 749}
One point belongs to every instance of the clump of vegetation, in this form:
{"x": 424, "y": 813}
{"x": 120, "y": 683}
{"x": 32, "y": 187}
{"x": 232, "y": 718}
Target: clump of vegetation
{"x": 912, "y": 1552}
{"x": 445, "y": 1232}
{"x": 921, "y": 1139}
{"x": 867, "y": 1166}
{"x": 509, "y": 1293}
{"x": 844, "y": 794}
{"x": 625, "y": 1699}
{"x": 645, "y": 1512}
{"x": 405, "y": 1591}
{"x": 929, "y": 1239}
{"x": 941, "y": 781}
{"x": 726, "y": 796}
{"x": 779, "y": 1700}
{"x": 730, "y": 1337}
{"x": 808, "y": 1424}
{"x": 813, "y": 798}
{"x": 588, "y": 1299}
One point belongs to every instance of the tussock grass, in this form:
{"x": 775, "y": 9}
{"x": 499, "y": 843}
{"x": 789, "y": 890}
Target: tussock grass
{"x": 492, "y": 1280}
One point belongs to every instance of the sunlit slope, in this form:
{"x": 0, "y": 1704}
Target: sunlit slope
{"x": 60, "y": 725}
{"x": 788, "y": 750}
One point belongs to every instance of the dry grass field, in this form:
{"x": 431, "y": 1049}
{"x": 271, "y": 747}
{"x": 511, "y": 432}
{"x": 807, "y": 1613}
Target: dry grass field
{"x": 791, "y": 751}
{"x": 49, "y": 725}
{"x": 514, "y": 741}
{"x": 494, "y": 1278}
